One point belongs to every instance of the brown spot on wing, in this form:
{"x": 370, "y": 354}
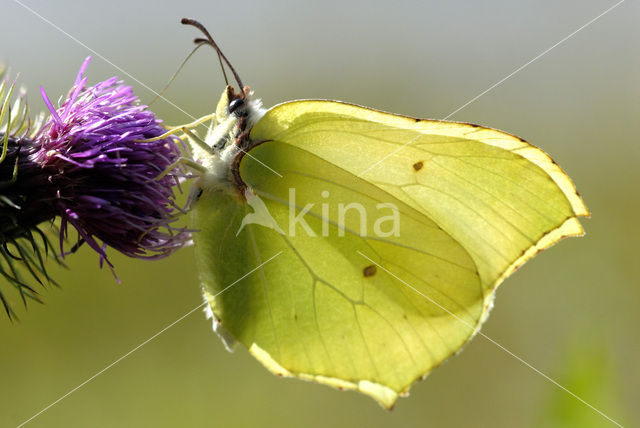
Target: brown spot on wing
{"x": 369, "y": 271}
{"x": 418, "y": 165}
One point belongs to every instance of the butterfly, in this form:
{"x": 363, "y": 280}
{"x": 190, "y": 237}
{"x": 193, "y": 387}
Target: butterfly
{"x": 357, "y": 248}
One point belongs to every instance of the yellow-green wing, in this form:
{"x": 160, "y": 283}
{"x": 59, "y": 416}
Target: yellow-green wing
{"x": 362, "y": 308}
{"x": 501, "y": 198}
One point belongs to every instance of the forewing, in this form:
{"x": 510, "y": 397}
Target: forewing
{"x": 501, "y": 198}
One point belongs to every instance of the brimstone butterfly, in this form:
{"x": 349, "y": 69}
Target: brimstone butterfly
{"x": 360, "y": 249}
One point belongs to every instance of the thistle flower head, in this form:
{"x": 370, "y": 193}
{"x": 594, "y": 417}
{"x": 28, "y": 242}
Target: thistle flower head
{"x": 100, "y": 164}
{"x": 111, "y": 183}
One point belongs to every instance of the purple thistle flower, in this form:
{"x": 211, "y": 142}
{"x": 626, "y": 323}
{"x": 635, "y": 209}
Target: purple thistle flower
{"x": 92, "y": 164}
{"x": 109, "y": 183}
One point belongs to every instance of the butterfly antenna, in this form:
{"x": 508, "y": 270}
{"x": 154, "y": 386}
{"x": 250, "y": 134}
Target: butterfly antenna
{"x": 161, "y": 93}
{"x": 224, "y": 72}
{"x": 209, "y": 40}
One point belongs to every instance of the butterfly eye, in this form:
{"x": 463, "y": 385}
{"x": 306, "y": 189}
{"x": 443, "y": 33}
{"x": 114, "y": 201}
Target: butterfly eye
{"x": 235, "y": 104}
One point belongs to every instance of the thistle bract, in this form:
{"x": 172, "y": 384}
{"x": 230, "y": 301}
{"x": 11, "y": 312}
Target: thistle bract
{"x": 24, "y": 199}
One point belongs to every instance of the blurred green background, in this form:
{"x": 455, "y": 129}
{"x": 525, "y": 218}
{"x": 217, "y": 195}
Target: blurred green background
{"x": 572, "y": 312}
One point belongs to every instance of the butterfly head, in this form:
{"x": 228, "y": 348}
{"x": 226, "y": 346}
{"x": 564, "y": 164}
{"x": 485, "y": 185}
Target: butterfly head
{"x": 243, "y": 106}
{"x": 236, "y": 113}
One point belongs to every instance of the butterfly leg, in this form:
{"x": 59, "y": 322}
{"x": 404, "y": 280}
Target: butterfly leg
{"x": 172, "y": 130}
{"x": 182, "y": 161}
